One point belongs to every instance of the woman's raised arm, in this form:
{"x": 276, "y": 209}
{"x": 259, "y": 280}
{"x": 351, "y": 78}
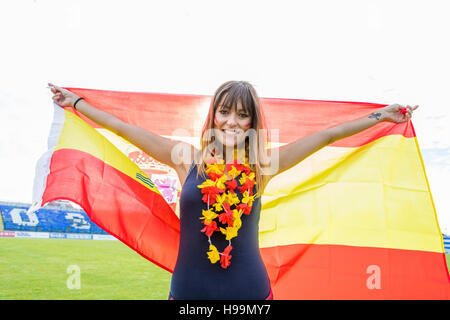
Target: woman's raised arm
{"x": 162, "y": 149}
{"x": 291, "y": 154}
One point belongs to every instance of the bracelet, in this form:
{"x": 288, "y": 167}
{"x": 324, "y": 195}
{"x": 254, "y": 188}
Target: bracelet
{"x": 74, "y": 105}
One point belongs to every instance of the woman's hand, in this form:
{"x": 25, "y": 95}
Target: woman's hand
{"x": 398, "y": 113}
{"x": 63, "y": 97}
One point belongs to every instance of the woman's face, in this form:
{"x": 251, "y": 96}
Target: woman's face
{"x": 231, "y": 124}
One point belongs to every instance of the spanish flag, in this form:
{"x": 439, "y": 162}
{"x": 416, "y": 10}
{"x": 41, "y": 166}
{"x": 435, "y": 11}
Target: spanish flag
{"x": 355, "y": 220}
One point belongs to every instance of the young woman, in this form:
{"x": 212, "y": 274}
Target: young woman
{"x": 220, "y": 202}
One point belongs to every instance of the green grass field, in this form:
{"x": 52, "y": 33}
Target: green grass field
{"x": 37, "y": 269}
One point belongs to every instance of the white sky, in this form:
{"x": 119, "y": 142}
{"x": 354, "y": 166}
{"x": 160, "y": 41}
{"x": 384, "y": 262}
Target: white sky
{"x": 371, "y": 51}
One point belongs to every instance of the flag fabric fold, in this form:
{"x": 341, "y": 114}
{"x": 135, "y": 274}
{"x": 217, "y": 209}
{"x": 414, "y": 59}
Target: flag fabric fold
{"x": 355, "y": 220}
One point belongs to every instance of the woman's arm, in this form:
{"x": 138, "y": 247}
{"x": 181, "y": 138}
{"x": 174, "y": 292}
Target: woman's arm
{"x": 392, "y": 113}
{"x": 291, "y": 154}
{"x": 162, "y": 149}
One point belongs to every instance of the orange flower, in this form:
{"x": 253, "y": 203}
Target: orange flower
{"x": 214, "y": 176}
{"x": 227, "y": 216}
{"x": 211, "y": 197}
{"x": 245, "y": 169}
{"x": 226, "y": 257}
{"x": 231, "y": 185}
{"x": 246, "y": 209}
{"x": 210, "y": 228}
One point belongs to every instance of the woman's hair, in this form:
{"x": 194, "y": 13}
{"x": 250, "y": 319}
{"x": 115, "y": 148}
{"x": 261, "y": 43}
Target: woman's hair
{"x": 228, "y": 95}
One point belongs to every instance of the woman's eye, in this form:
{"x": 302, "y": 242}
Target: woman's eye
{"x": 242, "y": 115}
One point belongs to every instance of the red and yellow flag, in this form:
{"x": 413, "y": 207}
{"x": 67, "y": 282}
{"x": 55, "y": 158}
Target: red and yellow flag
{"x": 355, "y": 220}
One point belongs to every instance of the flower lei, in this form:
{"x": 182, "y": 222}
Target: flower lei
{"x": 221, "y": 195}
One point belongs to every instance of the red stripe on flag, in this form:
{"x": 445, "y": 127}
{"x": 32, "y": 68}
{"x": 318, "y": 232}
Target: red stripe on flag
{"x": 118, "y": 204}
{"x": 294, "y": 118}
{"x": 345, "y": 272}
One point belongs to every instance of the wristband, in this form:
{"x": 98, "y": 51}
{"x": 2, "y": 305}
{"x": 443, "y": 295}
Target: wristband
{"x": 74, "y": 105}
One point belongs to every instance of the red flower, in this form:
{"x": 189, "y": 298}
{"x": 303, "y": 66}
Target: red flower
{"x": 214, "y": 175}
{"x": 243, "y": 168}
{"x": 234, "y": 162}
{"x": 231, "y": 185}
{"x": 246, "y": 209}
{"x": 225, "y": 257}
{"x": 249, "y": 183}
{"x": 212, "y": 192}
{"x": 238, "y": 165}
{"x": 226, "y": 206}
{"x": 246, "y": 187}
{"x": 210, "y": 228}
{"x": 212, "y": 198}
{"x": 226, "y": 217}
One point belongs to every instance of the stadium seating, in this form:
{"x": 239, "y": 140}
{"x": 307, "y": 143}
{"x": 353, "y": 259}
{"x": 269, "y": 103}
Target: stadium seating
{"x": 15, "y": 218}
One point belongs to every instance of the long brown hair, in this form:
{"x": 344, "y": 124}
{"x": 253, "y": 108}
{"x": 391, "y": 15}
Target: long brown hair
{"x": 228, "y": 95}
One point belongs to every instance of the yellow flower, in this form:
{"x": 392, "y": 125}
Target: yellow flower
{"x": 220, "y": 199}
{"x": 220, "y": 183}
{"x": 237, "y": 222}
{"x": 216, "y": 168}
{"x": 233, "y": 173}
{"x": 247, "y": 199}
{"x": 251, "y": 176}
{"x": 229, "y": 233}
{"x": 213, "y": 254}
{"x": 208, "y": 215}
{"x": 207, "y": 183}
{"x": 232, "y": 198}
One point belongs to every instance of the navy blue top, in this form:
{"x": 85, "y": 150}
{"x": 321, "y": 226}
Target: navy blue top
{"x": 194, "y": 276}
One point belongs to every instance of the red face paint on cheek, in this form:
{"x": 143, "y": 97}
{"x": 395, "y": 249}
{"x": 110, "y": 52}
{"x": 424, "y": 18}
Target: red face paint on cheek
{"x": 216, "y": 122}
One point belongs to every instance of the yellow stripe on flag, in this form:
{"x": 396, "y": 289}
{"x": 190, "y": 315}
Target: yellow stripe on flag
{"x": 373, "y": 196}
{"x": 88, "y": 140}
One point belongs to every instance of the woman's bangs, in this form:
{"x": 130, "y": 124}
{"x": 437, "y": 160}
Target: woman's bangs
{"x": 238, "y": 93}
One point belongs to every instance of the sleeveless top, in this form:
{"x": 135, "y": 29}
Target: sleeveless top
{"x": 194, "y": 276}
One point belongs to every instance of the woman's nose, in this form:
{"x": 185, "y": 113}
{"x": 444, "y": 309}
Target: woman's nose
{"x": 232, "y": 120}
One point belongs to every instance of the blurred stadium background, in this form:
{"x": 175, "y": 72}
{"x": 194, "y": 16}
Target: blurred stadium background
{"x": 38, "y": 252}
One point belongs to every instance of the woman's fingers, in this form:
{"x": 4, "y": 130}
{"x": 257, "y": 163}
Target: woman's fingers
{"x": 55, "y": 88}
